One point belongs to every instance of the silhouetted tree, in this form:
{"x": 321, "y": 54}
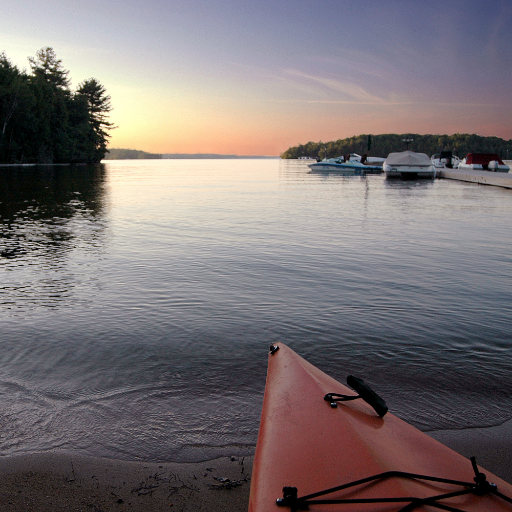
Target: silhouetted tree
{"x": 43, "y": 121}
{"x": 381, "y": 145}
{"x": 46, "y": 66}
{"x": 98, "y": 105}
{"x": 16, "y": 112}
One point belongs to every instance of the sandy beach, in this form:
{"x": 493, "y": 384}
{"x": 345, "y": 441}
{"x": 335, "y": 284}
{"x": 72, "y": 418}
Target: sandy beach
{"x": 58, "y": 482}
{"x": 491, "y": 446}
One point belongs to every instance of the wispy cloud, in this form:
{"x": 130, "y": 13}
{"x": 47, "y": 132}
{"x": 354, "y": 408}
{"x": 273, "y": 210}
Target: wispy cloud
{"x": 496, "y": 46}
{"x": 351, "y": 91}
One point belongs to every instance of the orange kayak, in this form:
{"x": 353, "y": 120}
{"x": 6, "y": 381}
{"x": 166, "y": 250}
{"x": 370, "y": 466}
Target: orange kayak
{"x": 308, "y": 444}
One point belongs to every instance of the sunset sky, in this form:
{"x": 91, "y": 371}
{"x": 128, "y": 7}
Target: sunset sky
{"x": 246, "y": 77}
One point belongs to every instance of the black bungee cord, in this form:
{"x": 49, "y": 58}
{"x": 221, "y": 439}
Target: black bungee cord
{"x": 480, "y": 487}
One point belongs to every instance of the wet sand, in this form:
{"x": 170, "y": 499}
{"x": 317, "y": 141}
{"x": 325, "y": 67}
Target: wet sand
{"x": 491, "y": 446}
{"x": 58, "y": 482}
{"x": 63, "y": 482}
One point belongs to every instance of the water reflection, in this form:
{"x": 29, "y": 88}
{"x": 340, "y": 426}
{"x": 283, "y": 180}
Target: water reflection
{"x": 45, "y": 213}
{"x": 297, "y": 170}
{"x": 408, "y": 183}
{"x": 167, "y": 281}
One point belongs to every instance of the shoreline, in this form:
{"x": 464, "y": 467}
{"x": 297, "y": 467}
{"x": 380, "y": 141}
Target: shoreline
{"x": 65, "y": 482}
{"x": 490, "y": 445}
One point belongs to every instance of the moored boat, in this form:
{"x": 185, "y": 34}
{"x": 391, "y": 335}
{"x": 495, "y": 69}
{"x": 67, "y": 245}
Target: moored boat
{"x": 314, "y": 454}
{"x": 484, "y": 162}
{"x": 368, "y": 160}
{"x": 445, "y": 160}
{"x": 347, "y": 165}
{"x": 408, "y": 164}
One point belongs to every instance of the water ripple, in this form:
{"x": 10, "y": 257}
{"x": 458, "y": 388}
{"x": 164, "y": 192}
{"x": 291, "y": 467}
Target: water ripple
{"x": 139, "y": 299}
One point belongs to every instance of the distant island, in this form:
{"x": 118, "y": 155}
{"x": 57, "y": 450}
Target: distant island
{"x": 129, "y": 154}
{"x": 382, "y": 145}
{"x": 211, "y": 155}
{"x": 134, "y": 154}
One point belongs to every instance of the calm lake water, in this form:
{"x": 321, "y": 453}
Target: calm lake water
{"x": 138, "y": 300}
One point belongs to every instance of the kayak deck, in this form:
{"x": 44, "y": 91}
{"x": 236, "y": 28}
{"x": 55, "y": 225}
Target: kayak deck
{"x": 306, "y": 444}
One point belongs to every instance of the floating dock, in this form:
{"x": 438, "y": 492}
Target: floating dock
{"x": 498, "y": 179}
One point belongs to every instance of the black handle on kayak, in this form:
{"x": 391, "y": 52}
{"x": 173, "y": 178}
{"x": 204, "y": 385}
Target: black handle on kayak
{"x": 365, "y": 392}
{"x": 368, "y": 395}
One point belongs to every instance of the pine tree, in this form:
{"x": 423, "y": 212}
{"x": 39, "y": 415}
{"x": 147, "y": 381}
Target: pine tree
{"x": 98, "y": 105}
{"x": 46, "y": 66}
{"x": 42, "y": 121}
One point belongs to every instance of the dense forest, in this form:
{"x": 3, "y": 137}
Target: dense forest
{"x": 381, "y": 145}
{"x": 130, "y": 154}
{"x": 43, "y": 121}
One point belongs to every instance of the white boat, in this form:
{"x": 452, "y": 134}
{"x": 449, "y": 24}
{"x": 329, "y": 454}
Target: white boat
{"x": 306, "y": 158}
{"x": 349, "y": 165}
{"x": 484, "y": 162}
{"x": 409, "y": 164}
{"x": 445, "y": 160}
{"x": 368, "y": 160}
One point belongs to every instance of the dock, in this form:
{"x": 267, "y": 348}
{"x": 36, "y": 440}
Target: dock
{"x": 498, "y": 179}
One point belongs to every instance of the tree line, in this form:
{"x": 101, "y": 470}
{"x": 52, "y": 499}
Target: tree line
{"x": 130, "y": 154}
{"x": 381, "y": 145}
{"x": 43, "y": 121}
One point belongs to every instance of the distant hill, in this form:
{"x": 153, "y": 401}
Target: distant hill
{"x": 210, "y": 155}
{"x": 381, "y": 145}
{"x": 129, "y": 154}
{"x": 134, "y": 154}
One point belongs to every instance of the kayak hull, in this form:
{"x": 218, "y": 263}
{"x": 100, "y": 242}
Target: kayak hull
{"x": 305, "y": 443}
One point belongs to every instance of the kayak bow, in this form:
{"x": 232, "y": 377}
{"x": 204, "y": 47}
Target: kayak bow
{"x": 320, "y": 449}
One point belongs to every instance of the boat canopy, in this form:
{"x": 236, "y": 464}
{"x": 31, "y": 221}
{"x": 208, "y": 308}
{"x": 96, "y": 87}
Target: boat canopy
{"x": 482, "y": 158}
{"x": 409, "y": 158}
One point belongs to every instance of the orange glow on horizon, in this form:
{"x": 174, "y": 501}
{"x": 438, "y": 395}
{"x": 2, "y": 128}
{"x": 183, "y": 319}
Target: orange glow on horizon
{"x": 278, "y": 136}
